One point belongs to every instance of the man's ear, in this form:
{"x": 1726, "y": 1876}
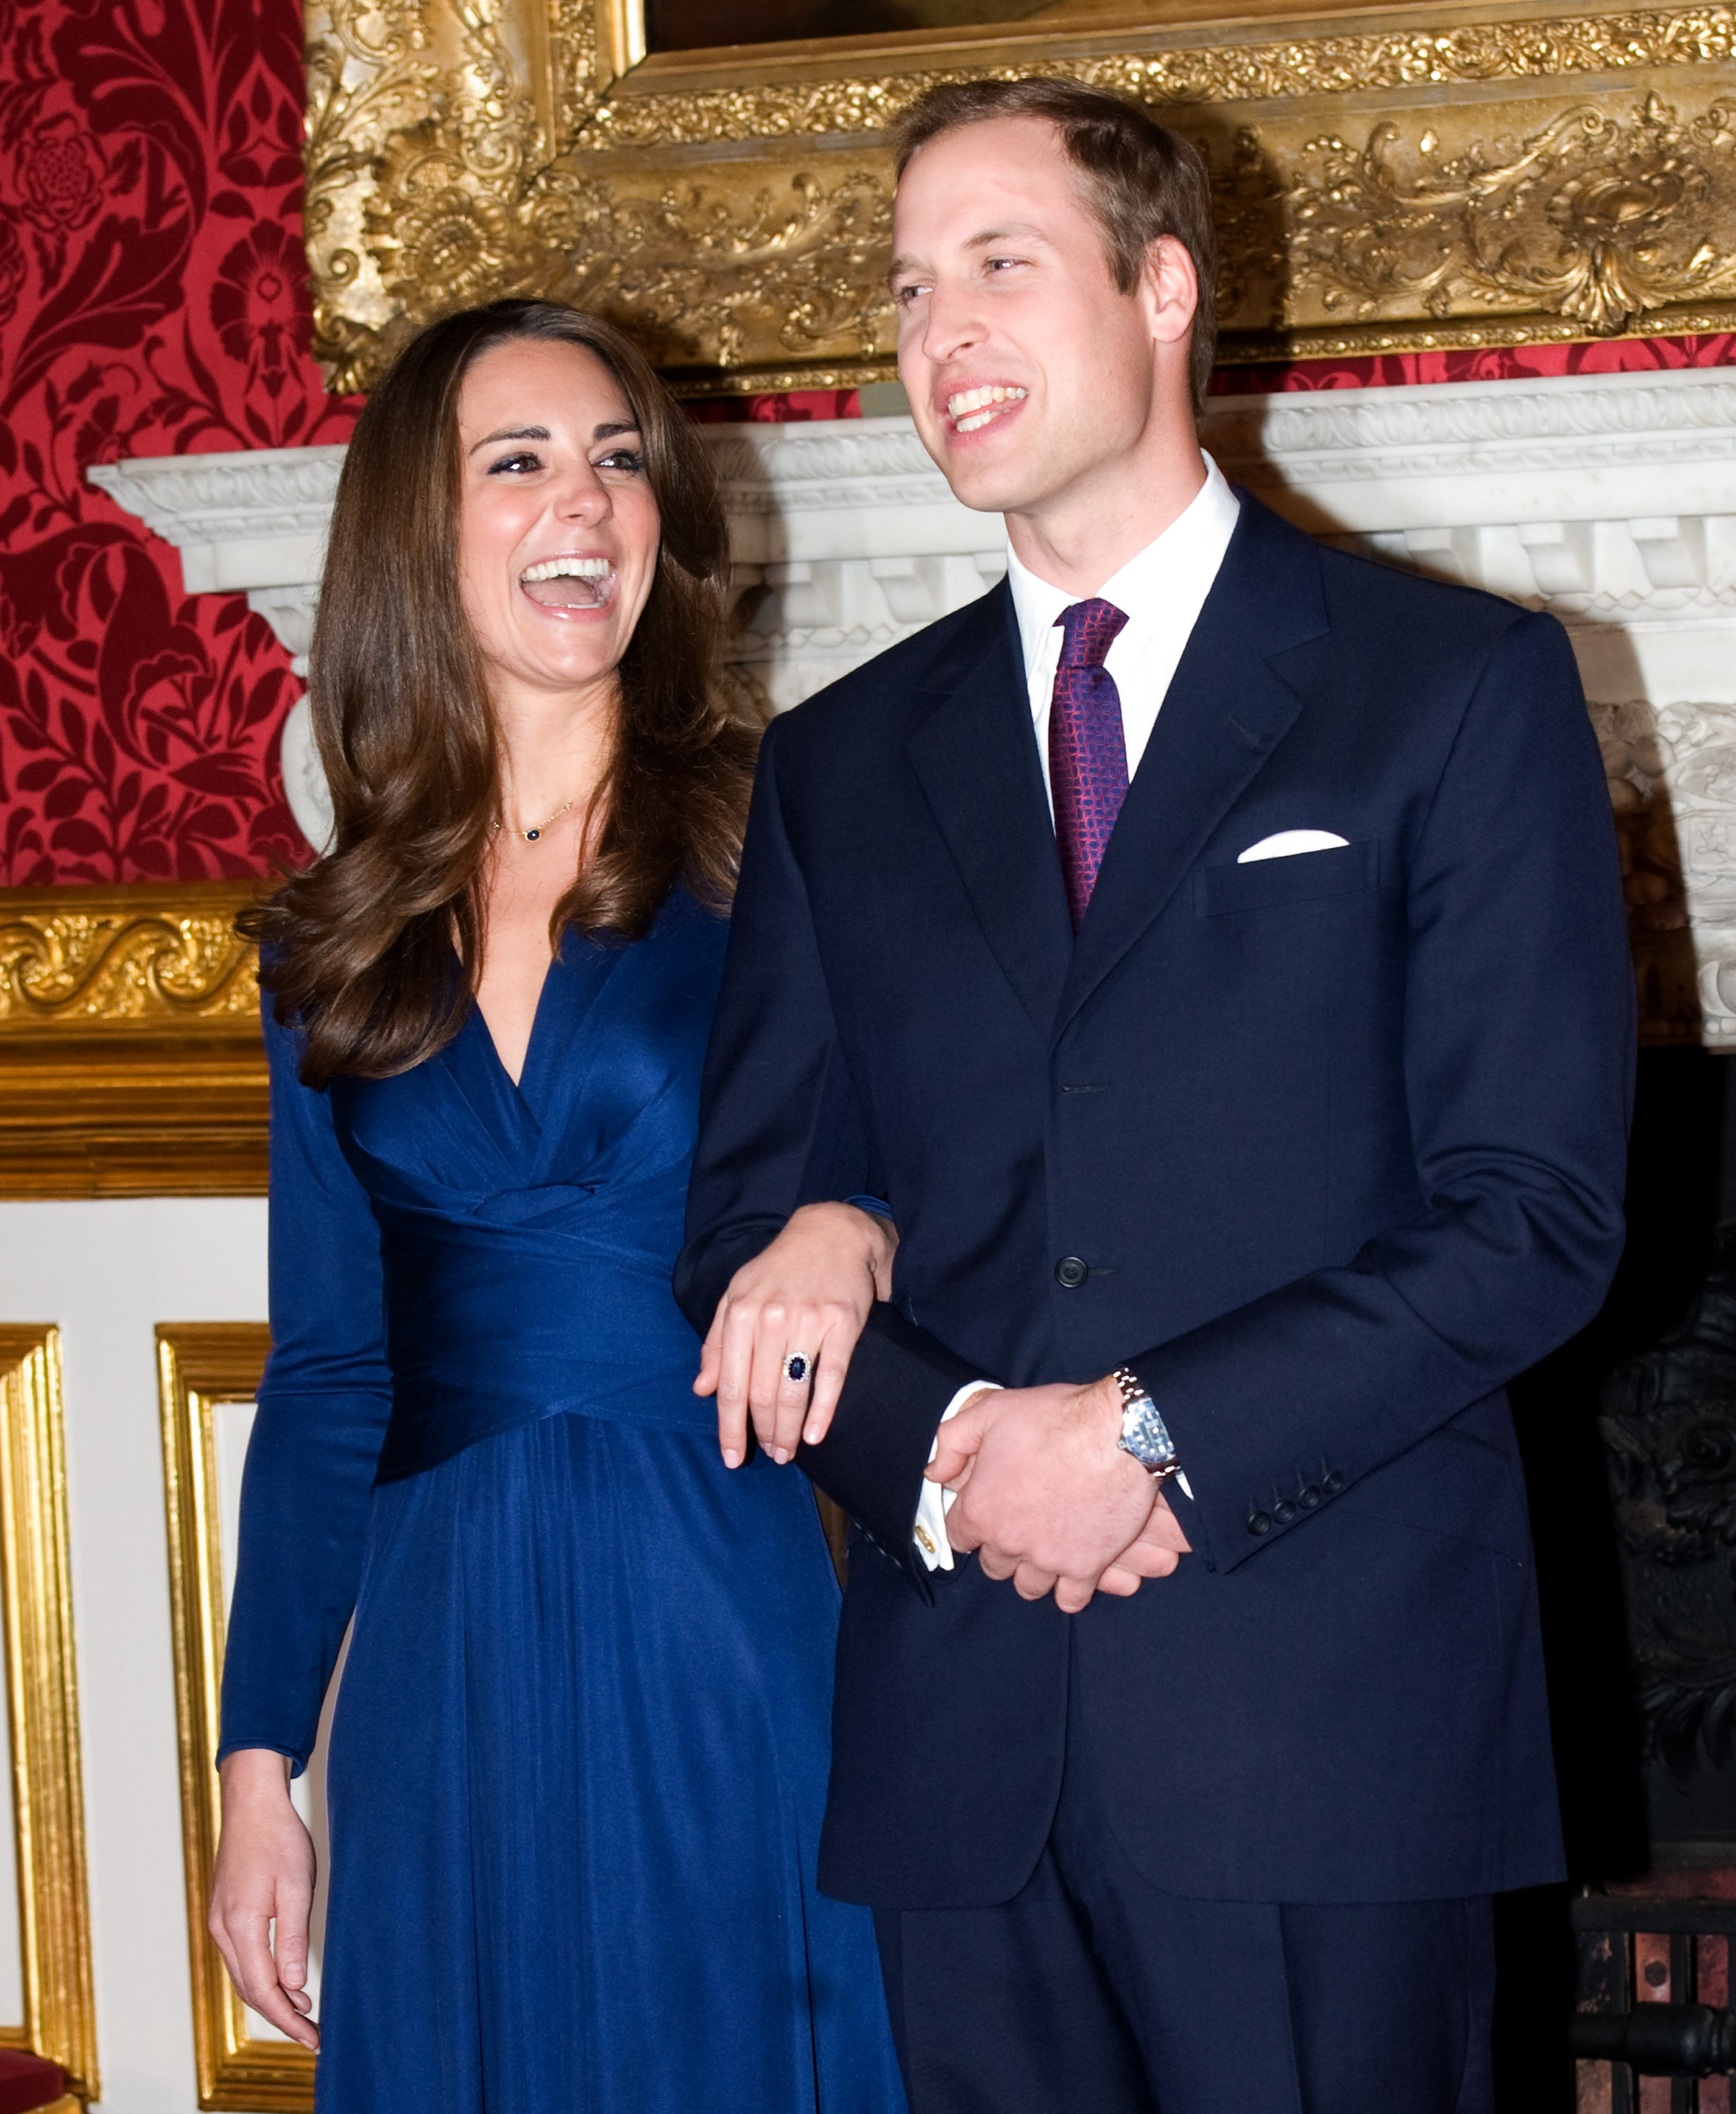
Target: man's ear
{"x": 1170, "y": 289}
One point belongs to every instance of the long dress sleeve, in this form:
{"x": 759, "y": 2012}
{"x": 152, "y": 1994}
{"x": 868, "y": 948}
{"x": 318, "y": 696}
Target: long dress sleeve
{"x": 320, "y": 1420}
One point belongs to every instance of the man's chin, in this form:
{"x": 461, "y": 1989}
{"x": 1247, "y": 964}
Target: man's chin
{"x": 984, "y": 484}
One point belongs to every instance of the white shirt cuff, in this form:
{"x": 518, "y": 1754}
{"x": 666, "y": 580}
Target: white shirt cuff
{"x": 929, "y": 1531}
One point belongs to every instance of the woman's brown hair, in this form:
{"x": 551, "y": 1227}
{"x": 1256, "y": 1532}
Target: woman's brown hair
{"x": 358, "y": 950}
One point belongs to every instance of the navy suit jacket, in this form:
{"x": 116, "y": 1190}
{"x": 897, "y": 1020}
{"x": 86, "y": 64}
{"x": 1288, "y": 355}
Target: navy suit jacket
{"x": 1340, "y": 1139}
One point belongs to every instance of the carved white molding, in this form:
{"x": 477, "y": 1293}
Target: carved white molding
{"x": 1608, "y": 500}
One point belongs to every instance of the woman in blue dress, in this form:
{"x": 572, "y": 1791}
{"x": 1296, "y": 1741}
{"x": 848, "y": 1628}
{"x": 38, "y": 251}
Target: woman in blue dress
{"x": 578, "y": 1757}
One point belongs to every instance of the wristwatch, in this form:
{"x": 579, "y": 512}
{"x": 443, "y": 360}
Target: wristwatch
{"x": 1144, "y": 1433}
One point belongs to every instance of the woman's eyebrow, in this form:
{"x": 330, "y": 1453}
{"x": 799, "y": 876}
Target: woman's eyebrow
{"x": 511, "y": 433}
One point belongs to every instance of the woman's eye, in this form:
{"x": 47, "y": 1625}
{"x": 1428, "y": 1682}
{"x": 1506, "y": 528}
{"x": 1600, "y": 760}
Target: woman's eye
{"x": 514, "y": 463}
{"x": 628, "y": 460}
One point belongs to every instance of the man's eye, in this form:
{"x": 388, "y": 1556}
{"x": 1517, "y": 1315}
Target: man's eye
{"x": 514, "y": 463}
{"x": 903, "y": 296}
{"x": 1002, "y": 263}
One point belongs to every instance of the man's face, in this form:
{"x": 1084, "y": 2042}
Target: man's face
{"x": 1031, "y": 377}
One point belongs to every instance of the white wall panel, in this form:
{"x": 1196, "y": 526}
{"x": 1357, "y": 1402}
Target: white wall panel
{"x": 107, "y": 1272}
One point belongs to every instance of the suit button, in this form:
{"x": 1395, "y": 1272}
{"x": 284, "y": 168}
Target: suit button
{"x": 1258, "y": 1523}
{"x": 1309, "y": 1496}
{"x": 1284, "y": 1511}
{"x": 1332, "y": 1484}
{"x": 1072, "y": 1271}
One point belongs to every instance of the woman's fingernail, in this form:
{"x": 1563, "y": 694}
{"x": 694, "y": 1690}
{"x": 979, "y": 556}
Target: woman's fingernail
{"x": 780, "y": 1454}
{"x": 810, "y": 1437}
{"x": 732, "y": 1459}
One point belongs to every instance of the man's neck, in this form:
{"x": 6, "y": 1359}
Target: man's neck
{"x": 1084, "y": 539}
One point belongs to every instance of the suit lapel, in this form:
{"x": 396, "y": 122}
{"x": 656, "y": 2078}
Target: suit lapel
{"x": 1227, "y": 709}
{"x": 975, "y": 754}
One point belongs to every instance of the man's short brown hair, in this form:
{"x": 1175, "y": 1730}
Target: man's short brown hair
{"x": 1139, "y": 179}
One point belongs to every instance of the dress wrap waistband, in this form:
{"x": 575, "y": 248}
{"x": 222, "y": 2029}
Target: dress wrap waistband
{"x": 494, "y": 1324}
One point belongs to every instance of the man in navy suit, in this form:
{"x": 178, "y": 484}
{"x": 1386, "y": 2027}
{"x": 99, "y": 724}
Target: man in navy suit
{"x": 1206, "y": 949}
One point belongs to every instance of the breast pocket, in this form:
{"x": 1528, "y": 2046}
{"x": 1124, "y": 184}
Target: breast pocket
{"x": 1303, "y": 877}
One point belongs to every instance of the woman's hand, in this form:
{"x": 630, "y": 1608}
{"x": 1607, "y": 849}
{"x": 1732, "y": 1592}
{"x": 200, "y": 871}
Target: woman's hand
{"x": 809, "y": 1293}
{"x": 264, "y": 1871}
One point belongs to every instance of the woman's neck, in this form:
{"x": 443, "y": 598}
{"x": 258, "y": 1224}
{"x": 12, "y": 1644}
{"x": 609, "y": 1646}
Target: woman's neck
{"x": 554, "y": 752}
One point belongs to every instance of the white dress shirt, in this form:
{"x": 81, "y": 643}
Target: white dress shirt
{"x": 1162, "y": 589}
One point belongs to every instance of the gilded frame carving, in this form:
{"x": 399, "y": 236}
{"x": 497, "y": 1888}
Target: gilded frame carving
{"x": 1433, "y": 176}
{"x": 42, "y": 1713}
{"x": 129, "y": 1034}
{"x": 200, "y": 1364}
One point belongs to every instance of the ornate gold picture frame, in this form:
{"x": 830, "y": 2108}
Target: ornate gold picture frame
{"x": 1387, "y": 179}
{"x": 201, "y": 1364}
{"x": 130, "y": 1036}
{"x": 43, "y": 1714}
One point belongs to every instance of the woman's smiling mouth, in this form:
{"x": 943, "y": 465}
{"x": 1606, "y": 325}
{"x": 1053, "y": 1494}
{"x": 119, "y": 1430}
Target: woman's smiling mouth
{"x": 571, "y": 583}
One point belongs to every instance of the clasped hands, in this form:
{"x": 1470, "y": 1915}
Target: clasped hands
{"x": 1042, "y": 1492}
{"x": 1047, "y": 1498}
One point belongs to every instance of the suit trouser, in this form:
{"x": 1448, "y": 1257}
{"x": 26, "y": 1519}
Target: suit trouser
{"x": 1093, "y": 1992}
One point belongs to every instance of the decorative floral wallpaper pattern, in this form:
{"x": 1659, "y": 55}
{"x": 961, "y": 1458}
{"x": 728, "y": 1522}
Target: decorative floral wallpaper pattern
{"x": 152, "y": 302}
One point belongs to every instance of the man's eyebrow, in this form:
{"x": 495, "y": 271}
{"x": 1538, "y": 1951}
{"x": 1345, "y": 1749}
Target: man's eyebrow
{"x": 1017, "y": 231}
{"x": 1014, "y": 232}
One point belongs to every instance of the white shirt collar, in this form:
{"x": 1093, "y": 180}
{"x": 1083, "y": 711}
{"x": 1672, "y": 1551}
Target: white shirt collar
{"x": 1166, "y": 583}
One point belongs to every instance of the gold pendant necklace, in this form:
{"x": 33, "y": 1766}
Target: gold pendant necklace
{"x": 530, "y": 836}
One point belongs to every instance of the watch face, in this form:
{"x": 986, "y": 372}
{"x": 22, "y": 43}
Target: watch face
{"x": 1145, "y": 1435}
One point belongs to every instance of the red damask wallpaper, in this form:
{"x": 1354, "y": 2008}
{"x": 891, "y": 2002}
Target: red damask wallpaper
{"x": 152, "y": 302}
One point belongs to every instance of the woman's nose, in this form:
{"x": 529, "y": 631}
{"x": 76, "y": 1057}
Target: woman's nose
{"x": 581, "y": 495}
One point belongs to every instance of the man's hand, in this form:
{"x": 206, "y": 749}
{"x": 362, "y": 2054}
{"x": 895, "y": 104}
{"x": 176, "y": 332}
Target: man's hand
{"x": 809, "y": 1291}
{"x": 264, "y": 1876}
{"x": 1048, "y": 1499}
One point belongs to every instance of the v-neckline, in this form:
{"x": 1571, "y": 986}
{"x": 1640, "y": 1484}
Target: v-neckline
{"x": 530, "y": 1041}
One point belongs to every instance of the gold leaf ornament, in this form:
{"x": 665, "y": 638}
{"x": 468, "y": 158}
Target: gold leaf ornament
{"x": 1600, "y": 216}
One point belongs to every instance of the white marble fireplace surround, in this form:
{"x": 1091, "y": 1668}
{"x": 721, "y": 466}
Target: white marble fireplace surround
{"x": 1608, "y": 500}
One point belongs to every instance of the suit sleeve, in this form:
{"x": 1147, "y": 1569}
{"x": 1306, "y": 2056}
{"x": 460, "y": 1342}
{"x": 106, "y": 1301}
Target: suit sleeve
{"x": 319, "y": 1421}
{"x": 1518, "y": 1056}
{"x": 782, "y": 1125}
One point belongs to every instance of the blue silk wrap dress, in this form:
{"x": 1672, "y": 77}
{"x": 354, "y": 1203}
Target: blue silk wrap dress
{"x": 578, "y": 1756}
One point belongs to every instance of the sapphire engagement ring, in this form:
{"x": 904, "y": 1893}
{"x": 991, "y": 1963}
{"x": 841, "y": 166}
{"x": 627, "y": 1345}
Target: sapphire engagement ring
{"x": 797, "y": 1366}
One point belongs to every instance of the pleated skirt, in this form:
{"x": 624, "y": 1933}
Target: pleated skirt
{"x": 577, "y": 1773}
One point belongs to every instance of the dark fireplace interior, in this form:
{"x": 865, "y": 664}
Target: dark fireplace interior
{"x": 1629, "y": 1440}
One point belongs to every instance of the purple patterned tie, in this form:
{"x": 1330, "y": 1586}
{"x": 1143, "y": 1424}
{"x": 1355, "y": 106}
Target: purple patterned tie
{"x": 1087, "y": 750}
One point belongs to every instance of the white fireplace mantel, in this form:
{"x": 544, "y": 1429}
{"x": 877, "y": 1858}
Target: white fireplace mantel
{"x": 1608, "y": 500}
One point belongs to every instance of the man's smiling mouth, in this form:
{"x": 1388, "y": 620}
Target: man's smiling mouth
{"x": 570, "y": 582}
{"x": 971, "y": 410}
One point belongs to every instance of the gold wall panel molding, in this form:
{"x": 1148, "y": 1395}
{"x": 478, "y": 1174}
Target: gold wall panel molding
{"x": 42, "y": 1711}
{"x": 200, "y": 1364}
{"x": 129, "y": 1036}
{"x": 1431, "y": 180}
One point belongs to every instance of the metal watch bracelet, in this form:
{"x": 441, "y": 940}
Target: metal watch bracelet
{"x": 1144, "y": 1433}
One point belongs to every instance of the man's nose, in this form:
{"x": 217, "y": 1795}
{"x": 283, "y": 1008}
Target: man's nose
{"x": 952, "y": 324}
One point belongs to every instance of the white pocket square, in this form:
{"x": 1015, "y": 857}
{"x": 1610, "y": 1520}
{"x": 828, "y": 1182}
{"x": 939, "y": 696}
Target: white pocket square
{"x": 1287, "y": 842}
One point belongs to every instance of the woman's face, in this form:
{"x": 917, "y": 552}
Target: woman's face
{"x": 558, "y": 530}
